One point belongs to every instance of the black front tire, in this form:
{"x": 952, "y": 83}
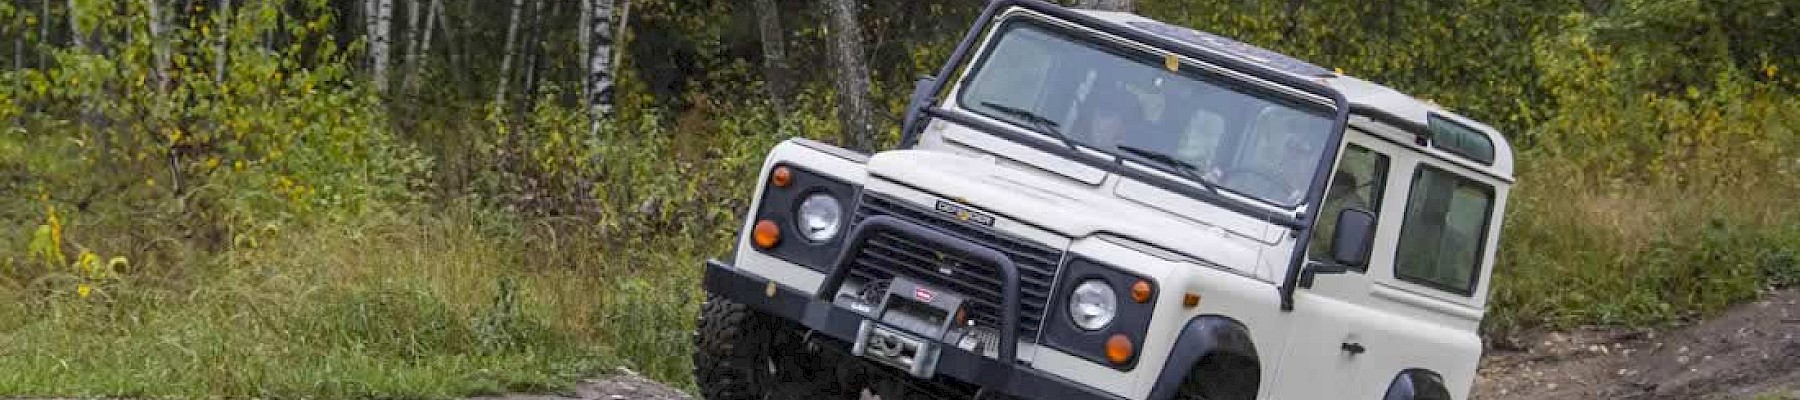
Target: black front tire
{"x": 1221, "y": 377}
{"x": 744, "y": 354}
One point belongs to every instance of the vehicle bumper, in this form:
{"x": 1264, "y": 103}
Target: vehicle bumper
{"x": 841, "y": 323}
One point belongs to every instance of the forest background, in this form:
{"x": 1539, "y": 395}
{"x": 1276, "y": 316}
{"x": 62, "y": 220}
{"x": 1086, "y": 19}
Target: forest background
{"x": 436, "y": 198}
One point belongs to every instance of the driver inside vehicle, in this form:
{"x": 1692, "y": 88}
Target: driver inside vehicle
{"x": 1113, "y": 114}
{"x": 1281, "y": 174}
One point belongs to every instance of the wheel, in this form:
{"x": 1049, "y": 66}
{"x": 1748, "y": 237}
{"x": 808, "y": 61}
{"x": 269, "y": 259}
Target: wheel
{"x": 744, "y": 354}
{"x": 1220, "y": 377}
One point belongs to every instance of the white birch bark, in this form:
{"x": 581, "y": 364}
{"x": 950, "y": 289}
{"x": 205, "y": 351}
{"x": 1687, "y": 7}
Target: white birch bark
{"x": 159, "y": 53}
{"x": 221, "y": 48}
{"x": 506, "y": 58}
{"x": 855, "y": 111}
{"x": 423, "y": 56}
{"x": 379, "y": 41}
{"x": 76, "y": 35}
{"x": 600, "y": 64}
{"x": 413, "y": 13}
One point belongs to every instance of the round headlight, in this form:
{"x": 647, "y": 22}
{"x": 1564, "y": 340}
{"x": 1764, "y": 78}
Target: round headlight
{"x": 820, "y": 217}
{"x": 1093, "y": 304}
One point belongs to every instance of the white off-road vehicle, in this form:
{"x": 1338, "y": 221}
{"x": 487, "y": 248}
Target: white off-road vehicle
{"x": 1096, "y": 205}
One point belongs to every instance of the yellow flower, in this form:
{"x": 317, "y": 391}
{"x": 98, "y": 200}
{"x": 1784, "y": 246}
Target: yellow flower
{"x": 83, "y": 290}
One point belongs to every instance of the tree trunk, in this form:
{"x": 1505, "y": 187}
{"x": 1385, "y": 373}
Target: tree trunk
{"x": 600, "y": 63}
{"x": 584, "y": 38}
{"x": 379, "y": 39}
{"x": 774, "y": 47}
{"x": 421, "y": 57}
{"x": 1293, "y": 16}
{"x": 75, "y": 32}
{"x": 159, "y": 53}
{"x": 43, "y": 32}
{"x": 221, "y": 48}
{"x": 1107, "y": 5}
{"x": 534, "y": 52}
{"x": 855, "y": 112}
{"x": 506, "y": 58}
{"x": 411, "y": 58}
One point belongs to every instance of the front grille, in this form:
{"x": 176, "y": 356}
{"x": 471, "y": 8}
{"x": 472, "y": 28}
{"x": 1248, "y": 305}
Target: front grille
{"x": 888, "y": 255}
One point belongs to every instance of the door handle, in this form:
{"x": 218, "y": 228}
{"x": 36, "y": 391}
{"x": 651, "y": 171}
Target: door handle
{"x": 1353, "y": 348}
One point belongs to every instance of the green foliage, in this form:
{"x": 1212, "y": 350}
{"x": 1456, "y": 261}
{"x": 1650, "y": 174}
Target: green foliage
{"x": 323, "y": 240}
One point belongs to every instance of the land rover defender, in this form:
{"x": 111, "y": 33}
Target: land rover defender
{"x": 1097, "y": 205}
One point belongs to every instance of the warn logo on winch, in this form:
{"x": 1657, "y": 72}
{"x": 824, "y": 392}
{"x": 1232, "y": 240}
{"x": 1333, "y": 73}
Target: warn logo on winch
{"x": 923, "y": 295}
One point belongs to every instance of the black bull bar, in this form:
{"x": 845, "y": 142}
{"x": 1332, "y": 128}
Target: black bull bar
{"x": 817, "y": 312}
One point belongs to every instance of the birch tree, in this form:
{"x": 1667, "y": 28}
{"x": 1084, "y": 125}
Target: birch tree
{"x": 600, "y": 63}
{"x": 159, "y": 53}
{"x": 417, "y": 64}
{"x": 506, "y": 58}
{"x": 534, "y": 50}
{"x": 855, "y": 111}
{"x": 75, "y": 31}
{"x": 380, "y": 26}
{"x": 220, "y": 48}
{"x": 774, "y": 48}
{"x": 410, "y": 59}
{"x": 1108, "y": 5}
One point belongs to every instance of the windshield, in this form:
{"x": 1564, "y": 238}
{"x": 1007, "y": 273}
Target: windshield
{"x": 1214, "y": 129}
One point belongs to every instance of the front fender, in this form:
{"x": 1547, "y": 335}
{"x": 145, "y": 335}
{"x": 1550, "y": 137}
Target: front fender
{"x": 1204, "y": 335}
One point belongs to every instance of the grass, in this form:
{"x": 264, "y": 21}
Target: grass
{"x": 395, "y": 306}
{"x": 1577, "y": 253}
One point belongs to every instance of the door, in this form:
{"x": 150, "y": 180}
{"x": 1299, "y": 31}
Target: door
{"x": 1327, "y": 348}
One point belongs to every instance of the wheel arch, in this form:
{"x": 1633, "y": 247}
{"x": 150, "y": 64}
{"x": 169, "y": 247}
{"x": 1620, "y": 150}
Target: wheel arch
{"x": 1204, "y": 335}
{"x": 1417, "y": 384}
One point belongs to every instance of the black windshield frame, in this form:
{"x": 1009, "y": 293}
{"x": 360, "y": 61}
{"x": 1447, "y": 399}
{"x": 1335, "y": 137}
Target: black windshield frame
{"x": 1250, "y": 93}
{"x": 1300, "y": 223}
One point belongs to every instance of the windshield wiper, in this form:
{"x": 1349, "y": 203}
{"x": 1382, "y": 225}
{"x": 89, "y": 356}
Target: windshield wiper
{"x": 1183, "y": 168}
{"x": 1042, "y": 123}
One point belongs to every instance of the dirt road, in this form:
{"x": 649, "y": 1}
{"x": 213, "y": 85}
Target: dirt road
{"x": 1750, "y": 352}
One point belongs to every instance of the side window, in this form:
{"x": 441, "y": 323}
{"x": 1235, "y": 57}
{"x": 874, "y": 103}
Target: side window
{"x": 1360, "y": 176}
{"x": 1445, "y": 227}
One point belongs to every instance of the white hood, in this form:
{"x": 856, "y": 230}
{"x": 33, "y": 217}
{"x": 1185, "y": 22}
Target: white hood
{"x": 1078, "y": 210}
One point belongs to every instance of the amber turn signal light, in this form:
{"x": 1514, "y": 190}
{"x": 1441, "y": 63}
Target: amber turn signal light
{"x": 1190, "y": 300}
{"x": 1118, "y": 349}
{"x": 766, "y": 234}
{"x": 1140, "y": 291}
{"x": 781, "y": 177}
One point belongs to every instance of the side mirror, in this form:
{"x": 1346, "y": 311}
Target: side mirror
{"x": 1354, "y": 236}
{"x": 923, "y": 89}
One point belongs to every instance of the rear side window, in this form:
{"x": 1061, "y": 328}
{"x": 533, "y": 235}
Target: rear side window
{"x": 1445, "y": 227}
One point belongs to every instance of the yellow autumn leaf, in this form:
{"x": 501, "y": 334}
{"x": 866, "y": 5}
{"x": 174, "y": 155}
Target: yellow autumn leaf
{"x": 83, "y": 290}
{"x": 88, "y": 263}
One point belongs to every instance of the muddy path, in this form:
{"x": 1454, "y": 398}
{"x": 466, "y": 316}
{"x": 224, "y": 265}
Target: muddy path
{"x": 1749, "y": 352}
